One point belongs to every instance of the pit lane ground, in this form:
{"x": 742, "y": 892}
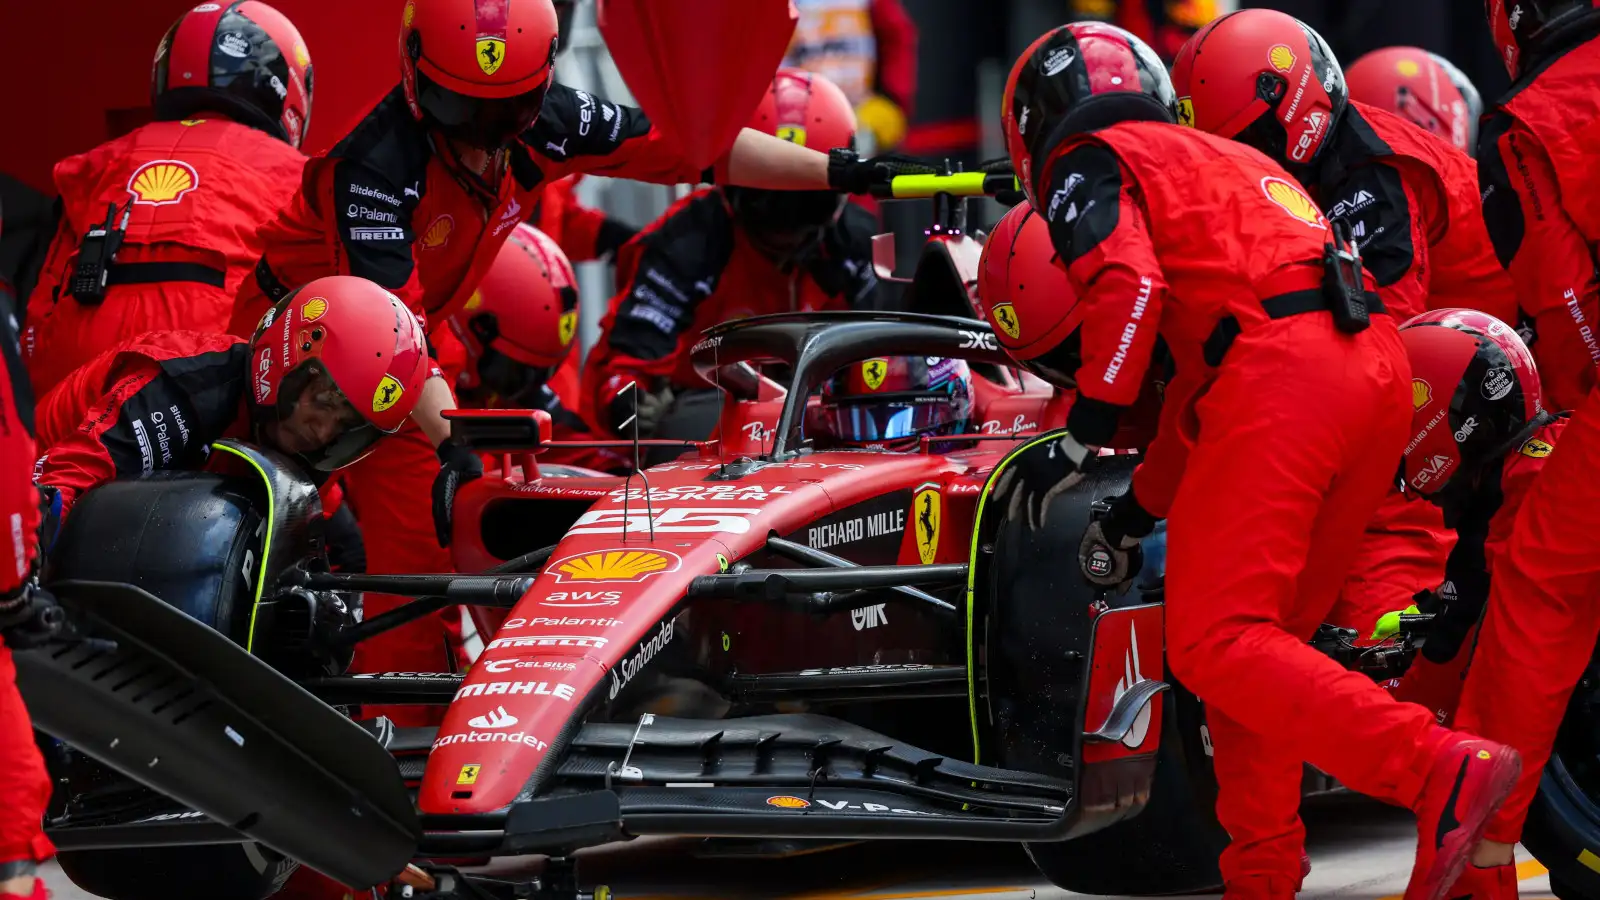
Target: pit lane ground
{"x": 1360, "y": 851}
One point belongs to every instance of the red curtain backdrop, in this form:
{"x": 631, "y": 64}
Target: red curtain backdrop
{"x": 75, "y": 74}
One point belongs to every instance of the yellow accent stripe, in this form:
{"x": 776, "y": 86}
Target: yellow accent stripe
{"x": 972, "y": 566}
{"x": 918, "y": 187}
{"x": 1589, "y": 859}
{"x": 266, "y": 545}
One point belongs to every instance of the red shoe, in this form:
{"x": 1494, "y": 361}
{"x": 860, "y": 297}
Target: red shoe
{"x": 1259, "y": 887}
{"x": 39, "y": 893}
{"x": 1470, "y": 778}
{"x": 1492, "y": 883}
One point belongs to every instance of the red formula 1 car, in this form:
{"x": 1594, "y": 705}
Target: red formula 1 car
{"x": 758, "y": 639}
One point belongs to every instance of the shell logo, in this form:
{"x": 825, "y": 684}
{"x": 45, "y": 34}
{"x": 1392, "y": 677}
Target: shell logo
{"x": 1421, "y": 393}
{"x": 1293, "y": 201}
{"x": 162, "y": 182}
{"x": 1005, "y": 315}
{"x": 388, "y": 394}
{"x": 567, "y": 326}
{"x": 438, "y": 231}
{"x": 614, "y": 565}
{"x": 1408, "y": 68}
{"x": 794, "y": 134}
{"x": 785, "y": 802}
{"x": 1281, "y": 58}
{"x": 314, "y": 309}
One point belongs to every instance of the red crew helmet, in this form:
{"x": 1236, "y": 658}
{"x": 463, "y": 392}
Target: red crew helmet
{"x": 243, "y": 59}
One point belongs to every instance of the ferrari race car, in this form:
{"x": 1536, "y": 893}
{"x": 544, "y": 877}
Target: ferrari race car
{"x": 757, "y": 639}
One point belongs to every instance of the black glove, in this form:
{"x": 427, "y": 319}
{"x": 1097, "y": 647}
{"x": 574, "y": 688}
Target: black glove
{"x": 457, "y": 466}
{"x": 30, "y": 617}
{"x": 1038, "y": 475}
{"x": 652, "y": 407}
{"x": 849, "y": 173}
{"x": 613, "y": 234}
{"x": 1110, "y": 554}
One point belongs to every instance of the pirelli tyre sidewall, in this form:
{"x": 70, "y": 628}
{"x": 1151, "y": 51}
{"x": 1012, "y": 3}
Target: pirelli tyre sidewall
{"x": 1030, "y": 606}
{"x": 1563, "y": 827}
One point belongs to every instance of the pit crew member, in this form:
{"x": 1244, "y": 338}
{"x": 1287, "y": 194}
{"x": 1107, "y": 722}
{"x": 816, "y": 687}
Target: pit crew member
{"x": 1283, "y": 353}
{"x": 158, "y": 226}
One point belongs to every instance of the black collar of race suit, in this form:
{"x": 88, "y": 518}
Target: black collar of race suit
{"x": 1352, "y": 141}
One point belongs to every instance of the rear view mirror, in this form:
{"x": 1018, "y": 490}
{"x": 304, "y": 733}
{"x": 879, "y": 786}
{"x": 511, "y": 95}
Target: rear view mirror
{"x": 499, "y": 430}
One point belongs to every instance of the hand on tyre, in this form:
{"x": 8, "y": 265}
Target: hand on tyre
{"x": 1038, "y": 475}
{"x": 1110, "y": 554}
{"x": 30, "y": 618}
{"x": 458, "y": 464}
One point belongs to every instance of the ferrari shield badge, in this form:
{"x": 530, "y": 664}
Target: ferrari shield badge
{"x": 873, "y": 371}
{"x": 387, "y": 394}
{"x": 926, "y": 513}
{"x": 1536, "y": 448}
{"x": 491, "y": 53}
{"x": 794, "y": 134}
{"x": 469, "y": 774}
{"x": 1006, "y": 317}
{"x": 568, "y": 326}
{"x": 1186, "y": 112}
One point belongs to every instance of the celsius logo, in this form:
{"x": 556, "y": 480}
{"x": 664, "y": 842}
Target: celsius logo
{"x": 640, "y": 658}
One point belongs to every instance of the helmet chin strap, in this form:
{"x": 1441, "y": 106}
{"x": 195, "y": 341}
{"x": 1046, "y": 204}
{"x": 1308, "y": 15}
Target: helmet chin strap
{"x": 480, "y": 182}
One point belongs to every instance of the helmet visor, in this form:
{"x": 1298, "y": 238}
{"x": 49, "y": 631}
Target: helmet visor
{"x": 315, "y": 422}
{"x": 884, "y": 418}
{"x": 488, "y": 124}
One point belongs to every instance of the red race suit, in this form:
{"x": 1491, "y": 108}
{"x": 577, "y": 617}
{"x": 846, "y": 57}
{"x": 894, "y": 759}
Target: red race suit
{"x": 1411, "y": 199}
{"x": 24, "y": 784}
{"x": 1484, "y": 528}
{"x": 383, "y": 205}
{"x": 1540, "y": 171}
{"x": 695, "y": 267}
{"x": 196, "y": 191}
{"x": 153, "y": 403}
{"x": 583, "y": 233}
{"x": 1290, "y": 428}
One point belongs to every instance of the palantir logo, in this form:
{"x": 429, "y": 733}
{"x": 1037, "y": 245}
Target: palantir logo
{"x": 497, "y": 718}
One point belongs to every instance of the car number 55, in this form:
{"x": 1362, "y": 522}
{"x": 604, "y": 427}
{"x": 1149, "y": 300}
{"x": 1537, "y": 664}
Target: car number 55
{"x": 727, "y": 519}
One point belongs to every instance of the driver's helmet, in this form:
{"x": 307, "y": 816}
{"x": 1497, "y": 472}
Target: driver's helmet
{"x": 519, "y": 324}
{"x": 890, "y": 402}
{"x": 1421, "y": 86}
{"x": 349, "y": 347}
{"x": 477, "y": 71}
{"x": 807, "y": 109}
{"x": 244, "y": 60}
{"x": 1474, "y": 392}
